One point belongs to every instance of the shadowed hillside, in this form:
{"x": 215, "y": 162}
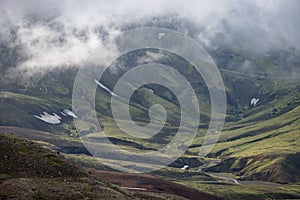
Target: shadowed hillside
{"x": 28, "y": 171}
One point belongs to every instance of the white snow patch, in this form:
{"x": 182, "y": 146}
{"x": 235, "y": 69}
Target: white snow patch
{"x": 185, "y": 167}
{"x": 150, "y": 90}
{"x": 51, "y": 119}
{"x": 70, "y": 113}
{"x": 254, "y": 101}
{"x": 105, "y": 88}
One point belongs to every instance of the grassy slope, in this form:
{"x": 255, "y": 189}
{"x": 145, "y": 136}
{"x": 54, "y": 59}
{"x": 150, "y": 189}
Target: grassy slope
{"x": 258, "y": 143}
{"x": 252, "y": 191}
{"x": 31, "y": 172}
{"x": 265, "y": 144}
{"x": 259, "y": 126}
{"x": 28, "y": 171}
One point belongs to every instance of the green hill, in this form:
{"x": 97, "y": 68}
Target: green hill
{"x": 259, "y": 142}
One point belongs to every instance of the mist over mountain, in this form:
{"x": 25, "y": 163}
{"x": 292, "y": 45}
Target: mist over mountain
{"x": 52, "y": 34}
{"x": 44, "y": 44}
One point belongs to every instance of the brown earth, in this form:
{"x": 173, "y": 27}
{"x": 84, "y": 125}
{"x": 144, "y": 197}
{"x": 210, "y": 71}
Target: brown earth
{"x": 151, "y": 184}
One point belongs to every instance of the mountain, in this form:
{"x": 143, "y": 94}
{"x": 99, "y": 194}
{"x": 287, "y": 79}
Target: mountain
{"x": 259, "y": 146}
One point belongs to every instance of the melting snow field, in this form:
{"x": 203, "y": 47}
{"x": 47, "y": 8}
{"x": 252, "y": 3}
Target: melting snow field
{"x": 51, "y": 119}
{"x": 54, "y": 118}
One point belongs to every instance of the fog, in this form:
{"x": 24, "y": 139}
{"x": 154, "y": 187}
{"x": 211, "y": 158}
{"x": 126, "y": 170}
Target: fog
{"x": 58, "y": 34}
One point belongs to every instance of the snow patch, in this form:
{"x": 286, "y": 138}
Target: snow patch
{"x": 254, "y": 101}
{"x": 48, "y": 118}
{"x": 150, "y": 90}
{"x": 185, "y": 167}
{"x": 105, "y": 88}
{"x": 69, "y": 112}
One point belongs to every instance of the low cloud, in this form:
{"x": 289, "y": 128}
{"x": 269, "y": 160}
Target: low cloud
{"x": 57, "y": 34}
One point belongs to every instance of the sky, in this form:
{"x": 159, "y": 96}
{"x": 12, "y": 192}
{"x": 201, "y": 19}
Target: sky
{"x": 56, "y": 34}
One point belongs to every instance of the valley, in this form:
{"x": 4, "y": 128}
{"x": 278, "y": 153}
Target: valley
{"x": 173, "y": 100}
{"x": 245, "y": 161}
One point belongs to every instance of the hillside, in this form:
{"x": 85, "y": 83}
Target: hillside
{"x": 268, "y": 150}
{"x": 272, "y": 120}
{"x": 256, "y": 157}
{"x": 29, "y": 171}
